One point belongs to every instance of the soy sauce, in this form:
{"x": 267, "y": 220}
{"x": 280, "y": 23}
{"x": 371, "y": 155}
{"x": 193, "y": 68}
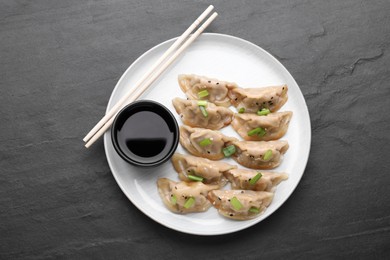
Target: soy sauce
{"x": 146, "y": 134}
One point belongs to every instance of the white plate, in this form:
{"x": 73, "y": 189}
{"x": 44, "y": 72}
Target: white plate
{"x": 227, "y": 58}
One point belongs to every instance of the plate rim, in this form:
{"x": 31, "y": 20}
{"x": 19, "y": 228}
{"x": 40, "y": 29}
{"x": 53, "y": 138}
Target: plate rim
{"x": 309, "y": 133}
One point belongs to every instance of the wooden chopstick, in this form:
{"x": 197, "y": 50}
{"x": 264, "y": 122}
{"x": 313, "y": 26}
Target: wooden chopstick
{"x": 107, "y": 120}
{"x": 158, "y": 63}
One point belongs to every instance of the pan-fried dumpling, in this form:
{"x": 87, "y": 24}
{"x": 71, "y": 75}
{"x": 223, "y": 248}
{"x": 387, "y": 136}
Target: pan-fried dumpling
{"x": 207, "y": 116}
{"x": 259, "y": 154}
{"x": 240, "y": 204}
{"x": 252, "y": 127}
{"x": 191, "y": 168}
{"x": 203, "y": 142}
{"x": 184, "y": 197}
{"x": 213, "y": 90}
{"x": 244, "y": 179}
{"x": 251, "y": 100}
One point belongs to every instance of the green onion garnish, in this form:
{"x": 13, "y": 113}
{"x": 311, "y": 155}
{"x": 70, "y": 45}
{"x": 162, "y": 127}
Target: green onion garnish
{"x": 203, "y": 93}
{"x": 189, "y": 202}
{"x": 241, "y": 110}
{"x": 204, "y": 111}
{"x": 255, "y": 179}
{"x": 257, "y": 131}
{"x": 195, "y": 178}
{"x": 236, "y": 203}
{"x": 229, "y": 150}
{"x": 263, "y": 112}
{"x": 173, "y": 199}
{"x": 262, "y": 132}
{"x": 254, "y": 210}
{"x": 267, "y": 155}
{"x": 202, "y": 103}
{"x": 205, "y": 142}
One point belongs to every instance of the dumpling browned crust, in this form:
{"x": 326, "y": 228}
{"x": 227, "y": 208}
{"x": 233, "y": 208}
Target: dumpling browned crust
{"x": 240, "y": 204}
{"x": 190, "y": 168}
{"x": 200, "y": 87}
{"x": 216, "y": 117}
{"x": 203, "y": 142}
{"x": 252, "y": 127}
{"x": 244, "y": 179}
{"x": 252, "y": 100}
{"x": 259, "y": 154}
{"x": 184, "y": 197}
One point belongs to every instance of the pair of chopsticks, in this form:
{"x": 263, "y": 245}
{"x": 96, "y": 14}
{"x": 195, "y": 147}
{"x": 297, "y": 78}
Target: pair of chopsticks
{"x": 146, "y": 80}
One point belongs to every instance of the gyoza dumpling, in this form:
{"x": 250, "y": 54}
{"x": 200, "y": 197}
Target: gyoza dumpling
{"x": 209, "y": 116}
{"x": 192, "y": 168}
{"x": 244, "y": 179}
{"x": 252, "y": 100}
{"x": 252, "y": 127}
{"x": 259, "y": 154}
{"x": 184, "y": 197}
{"x": 203, "y": 142}
{"x": 240, "y": 204}
{"x": 213, "y": 90}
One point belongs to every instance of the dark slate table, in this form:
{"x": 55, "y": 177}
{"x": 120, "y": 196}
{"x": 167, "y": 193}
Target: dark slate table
{"x": 59, "y": 62}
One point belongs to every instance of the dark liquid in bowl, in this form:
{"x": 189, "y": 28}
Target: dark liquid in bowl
{"x": 145, "y": 136}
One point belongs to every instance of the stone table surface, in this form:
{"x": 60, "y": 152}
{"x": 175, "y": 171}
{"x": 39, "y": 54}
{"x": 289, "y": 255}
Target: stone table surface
{"x": 59, "y": 62}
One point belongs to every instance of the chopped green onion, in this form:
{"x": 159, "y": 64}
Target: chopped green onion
{"x": 173, "y": 199}
{"x": 195, "y": 178}
{"x": 255, "y": 179}
{"x": 189, "y": 202}
{"x": 235, "y": 203}
{"x": 204, "y": 111}
{"x": 203, "y": 93}
{"x": 253, "y": 131}
{"x": 262, "y": 132}
{"x": 267, "y": 155}
{"x": 257, "y": 131}
{"x": 205, "y": 142}
{"x": 202, "y": 103}
{"x": 241, "y": 110}
{"x": 254, "y": 210}
{"x": 229, "y": 150}
{"x": 263, "y": 112}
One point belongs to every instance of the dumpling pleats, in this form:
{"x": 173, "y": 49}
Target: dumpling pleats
{"x": 252, "y": 127}
{"x": 245, "y": 179}
{"x": 252, "y": 100}
{"x": 240, "y": 204}
{"x": 209, "y": 172}
{"x": 184, "y": 197}
{"x": 204, "y": 88}
{"x": 209, "y": 116}
{"x": 259, "y": 154}
{"x": 203, "y": 142}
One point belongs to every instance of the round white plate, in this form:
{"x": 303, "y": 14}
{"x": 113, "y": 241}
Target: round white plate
{"x": 227, "y": 58}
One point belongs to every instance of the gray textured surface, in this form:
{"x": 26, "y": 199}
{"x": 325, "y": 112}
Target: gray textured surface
{"x": 59, "y": 63}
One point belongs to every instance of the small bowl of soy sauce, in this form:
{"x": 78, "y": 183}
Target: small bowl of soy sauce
{"x": 145, "y": 133}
